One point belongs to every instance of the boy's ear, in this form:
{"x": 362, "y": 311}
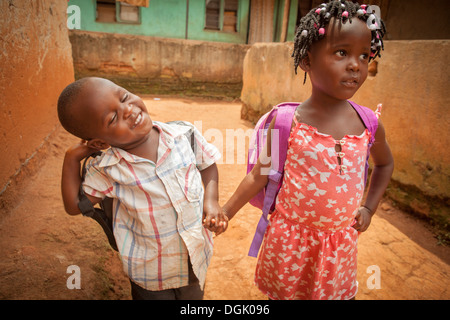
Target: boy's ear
{"x": 97, "y": 144}
{"x": 305, "y": 63}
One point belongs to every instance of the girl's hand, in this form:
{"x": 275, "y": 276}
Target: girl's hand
{"x": 215, "y": 219}
{"x": 363, "y": 219}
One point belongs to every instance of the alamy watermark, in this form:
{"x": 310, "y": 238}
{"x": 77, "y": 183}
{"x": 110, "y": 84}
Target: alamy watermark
{"x": 73, "y": 17}
{"x": 374, "y": 280}
{"x": 234, "y": 142}
{"x": 74, "y": 280}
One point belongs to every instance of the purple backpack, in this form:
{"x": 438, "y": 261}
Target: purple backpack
{"x": 265, "y": 199}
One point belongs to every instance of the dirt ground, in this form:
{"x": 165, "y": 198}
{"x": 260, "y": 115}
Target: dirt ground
{"x": 38, "y": 241}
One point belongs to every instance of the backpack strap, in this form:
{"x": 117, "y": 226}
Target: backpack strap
{"x": 279, "y": 146}
{"x": 84, "y": 204}
{"x": 104, "y": 215}
{"x": 282, "y": 129}
{"x": 370, "y": 120}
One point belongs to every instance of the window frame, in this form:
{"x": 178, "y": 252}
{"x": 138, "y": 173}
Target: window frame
{"x": 222, "y": 17}
{"x": 118, "y": 20}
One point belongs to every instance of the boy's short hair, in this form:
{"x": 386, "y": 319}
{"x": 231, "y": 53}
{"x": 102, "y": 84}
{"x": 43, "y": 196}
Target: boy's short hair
{"x": 66, "y": 112}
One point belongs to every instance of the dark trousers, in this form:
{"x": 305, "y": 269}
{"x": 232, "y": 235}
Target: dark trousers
{"x": 190, "y": 292}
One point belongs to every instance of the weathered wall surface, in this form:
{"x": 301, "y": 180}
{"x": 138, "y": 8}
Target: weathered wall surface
{"x": 150, "y": 62}
{"x": 412, "y": 83}
{"x": 35, "y": 64}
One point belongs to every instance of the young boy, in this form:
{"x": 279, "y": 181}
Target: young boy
{"x": 155, "y": 179}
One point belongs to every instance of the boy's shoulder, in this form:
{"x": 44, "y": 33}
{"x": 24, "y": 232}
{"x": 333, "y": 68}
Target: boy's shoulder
{"x": 174, "y": 128}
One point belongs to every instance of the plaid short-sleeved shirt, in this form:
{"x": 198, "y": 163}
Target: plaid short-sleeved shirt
{"x": 158, "y": 207}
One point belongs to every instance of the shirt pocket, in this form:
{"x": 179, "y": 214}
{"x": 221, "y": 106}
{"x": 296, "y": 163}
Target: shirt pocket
{"x": 190, "y": 182}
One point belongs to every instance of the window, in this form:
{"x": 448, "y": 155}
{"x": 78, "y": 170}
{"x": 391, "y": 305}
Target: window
{"x": 212, "y": 14}
{"x": 106, "y": 11}
{"x": 221, "y": 15}
{"x": 128, "y": 13}
{"x": 115, "y": 11}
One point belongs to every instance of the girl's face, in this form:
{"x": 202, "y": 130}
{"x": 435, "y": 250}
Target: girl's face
{"x": 115, "y": 116}
{"x": 338, "y": 63}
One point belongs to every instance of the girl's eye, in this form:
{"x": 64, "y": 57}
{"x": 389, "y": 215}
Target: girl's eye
{"x": 365, "y": 56}
{"x": 341, "y": 53}
{"x": 125, "y": 96}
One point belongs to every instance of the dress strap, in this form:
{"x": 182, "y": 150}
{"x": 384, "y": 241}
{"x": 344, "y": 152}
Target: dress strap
{"x": 378, "y": 111}
{"x": 296, "y": 122}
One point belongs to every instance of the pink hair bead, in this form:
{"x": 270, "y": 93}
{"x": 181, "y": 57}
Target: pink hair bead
{"x": 321, "y": 31}
{"x": 345, "y": 14}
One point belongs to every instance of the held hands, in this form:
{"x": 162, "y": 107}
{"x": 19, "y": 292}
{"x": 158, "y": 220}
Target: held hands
{"x": 215, "y": 219}
{"x": 363, "y": 219}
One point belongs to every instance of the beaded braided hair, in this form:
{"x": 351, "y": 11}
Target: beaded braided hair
{"x": 312, "y": 27}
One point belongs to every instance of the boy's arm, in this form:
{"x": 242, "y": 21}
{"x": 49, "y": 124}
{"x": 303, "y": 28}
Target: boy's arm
{"x": 214, "y": 219}
{"x": 71, "y": 179}
{"x": 381, "y": 175}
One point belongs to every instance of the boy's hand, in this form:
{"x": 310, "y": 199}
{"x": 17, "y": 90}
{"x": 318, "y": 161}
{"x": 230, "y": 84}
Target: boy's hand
{"x": 363, "y": 219}
{"x": 79, "y": 151}
{"x": 214, "y": 218}
{"x": 70, "y": 178}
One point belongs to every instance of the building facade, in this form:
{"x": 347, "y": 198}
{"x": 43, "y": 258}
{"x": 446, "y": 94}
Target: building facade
{"x": 233, "y": 21}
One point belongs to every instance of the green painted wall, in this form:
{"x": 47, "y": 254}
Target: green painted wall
{"x": 167, "y": 18}
{"x": 278, "y": 20}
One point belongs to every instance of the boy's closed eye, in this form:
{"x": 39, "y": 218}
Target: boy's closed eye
{"x": 113, "y": 119}
{"x": 114, "y": 116}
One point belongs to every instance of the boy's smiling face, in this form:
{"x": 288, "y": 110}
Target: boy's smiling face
{"x": 112, "y": 115}
{"x": 338, "y": 63}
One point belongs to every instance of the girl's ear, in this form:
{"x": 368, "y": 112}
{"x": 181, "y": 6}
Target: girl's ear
{"x": 97, "y": 144}
{"x": 305, "y": 63}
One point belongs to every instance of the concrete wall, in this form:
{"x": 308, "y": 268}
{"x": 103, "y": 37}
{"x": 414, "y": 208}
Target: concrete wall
{"x": 35, "y": 64}
{"x": 412, "y": 83}
{"x": 149, "y": 62}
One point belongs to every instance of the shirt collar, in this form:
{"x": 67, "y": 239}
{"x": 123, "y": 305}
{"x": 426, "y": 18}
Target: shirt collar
{"x": 167, "y": 136}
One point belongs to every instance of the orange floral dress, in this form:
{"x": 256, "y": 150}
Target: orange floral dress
{"x": 309, "y": 249}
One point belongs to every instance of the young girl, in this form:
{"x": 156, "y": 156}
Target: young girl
{"x": 309, "y": 249}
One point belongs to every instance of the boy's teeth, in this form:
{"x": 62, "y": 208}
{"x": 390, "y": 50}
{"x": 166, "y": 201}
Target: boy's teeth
{"x": 138, "y": 118}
